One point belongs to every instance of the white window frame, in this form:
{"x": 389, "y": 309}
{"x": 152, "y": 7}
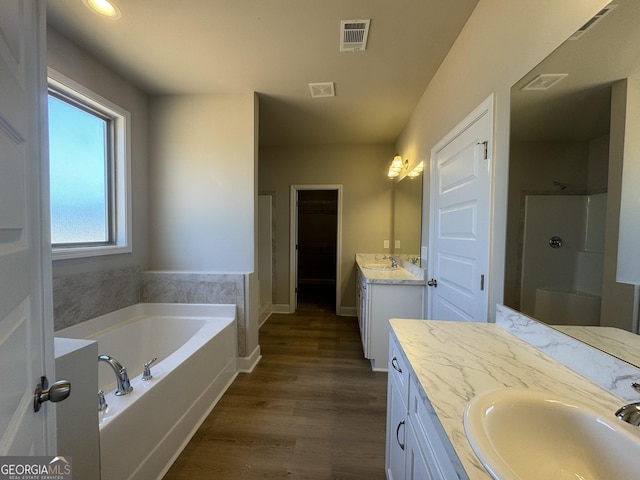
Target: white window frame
{"x": 122, "y": 177}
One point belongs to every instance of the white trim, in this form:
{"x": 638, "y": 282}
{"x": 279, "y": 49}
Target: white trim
{"x": 247, "y": 364}
{"x": 122, "y": 158}
{"x": 293, "y": 230}
{"x": 348, "y": 312}
{"x": 264, "y": 314}
{"x": 281, "y": 308}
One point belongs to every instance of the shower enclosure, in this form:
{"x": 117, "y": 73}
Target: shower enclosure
{"x": 562, "y": 258}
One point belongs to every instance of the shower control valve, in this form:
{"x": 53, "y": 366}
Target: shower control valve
{"x": 146, "y": 375}
{"x": 555, "y": 242}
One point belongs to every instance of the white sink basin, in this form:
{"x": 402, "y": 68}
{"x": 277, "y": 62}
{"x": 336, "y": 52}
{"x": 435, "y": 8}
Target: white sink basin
{"x": 523, "y": 434}
{"x": 379, "y": 266}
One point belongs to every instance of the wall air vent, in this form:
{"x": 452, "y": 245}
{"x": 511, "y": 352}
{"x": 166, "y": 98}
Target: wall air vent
{"x": 319, "y": 90}
{"x": 544, "y": 81}
{"x": 353, "y": 35}
{"x": 595, "y": 19}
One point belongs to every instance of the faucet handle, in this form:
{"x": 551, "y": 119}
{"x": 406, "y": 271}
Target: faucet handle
{"x": 146, "y": 375}
{"x": 102, "y": 403}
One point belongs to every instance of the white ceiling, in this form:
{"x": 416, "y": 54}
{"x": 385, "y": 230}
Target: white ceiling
{"x": 276, "y": 48}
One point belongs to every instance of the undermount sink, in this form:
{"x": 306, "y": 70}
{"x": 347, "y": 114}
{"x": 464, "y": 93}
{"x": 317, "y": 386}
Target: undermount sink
{"x": 523, "y": 434}
{"x": 379, "y": 266}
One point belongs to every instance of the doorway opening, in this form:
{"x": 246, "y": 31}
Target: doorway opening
{"x": 315, "y": 248}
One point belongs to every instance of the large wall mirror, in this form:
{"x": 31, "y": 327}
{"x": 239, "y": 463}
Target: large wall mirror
{"x": 407, "y": 216}
{"x": 566, "y": 155}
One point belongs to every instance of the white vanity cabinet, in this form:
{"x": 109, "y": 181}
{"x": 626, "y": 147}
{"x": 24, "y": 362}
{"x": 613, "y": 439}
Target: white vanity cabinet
{"x": 414, "y": 449}
{"x": 376, "y": 303}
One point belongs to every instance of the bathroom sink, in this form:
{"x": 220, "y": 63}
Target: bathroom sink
{"x": 379, "y": 266}
{"x": 527, "y": 435}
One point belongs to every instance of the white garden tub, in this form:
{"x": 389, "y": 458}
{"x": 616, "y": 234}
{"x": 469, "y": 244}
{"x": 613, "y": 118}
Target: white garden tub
{"x": 142, "y": 433}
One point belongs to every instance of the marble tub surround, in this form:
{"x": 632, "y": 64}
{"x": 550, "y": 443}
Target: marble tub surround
{"x": 455, "y": 361}
{"x": 607, "y": 371}
{"x": 79, "y": 297}
{"x": 402, "y": 274}
{"x": 190, "y": 287}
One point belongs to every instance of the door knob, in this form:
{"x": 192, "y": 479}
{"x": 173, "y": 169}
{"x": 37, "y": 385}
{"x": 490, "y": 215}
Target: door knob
{"x": 56, "y": 393}
{"x": 432, "y": 283}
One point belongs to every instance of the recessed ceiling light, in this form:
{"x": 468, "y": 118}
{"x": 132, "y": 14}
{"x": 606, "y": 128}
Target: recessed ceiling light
{"x": 105, "y": 8}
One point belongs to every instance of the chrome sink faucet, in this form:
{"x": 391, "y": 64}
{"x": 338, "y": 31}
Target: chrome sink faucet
{"x": 124, "y": 386}
{"x": 630, "y": 413}
{"x": 394, "y": 261}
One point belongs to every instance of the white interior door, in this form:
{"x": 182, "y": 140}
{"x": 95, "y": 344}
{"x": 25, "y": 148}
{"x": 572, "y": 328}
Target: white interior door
{"x": 460, "y": 222}
{"x": 26, "y": 344}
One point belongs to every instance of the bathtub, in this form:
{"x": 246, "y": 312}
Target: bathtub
{"x": 142, "y": 433}
{"x": 567, "y": 307}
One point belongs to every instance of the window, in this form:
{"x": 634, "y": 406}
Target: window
{"x": 88, "y": 170}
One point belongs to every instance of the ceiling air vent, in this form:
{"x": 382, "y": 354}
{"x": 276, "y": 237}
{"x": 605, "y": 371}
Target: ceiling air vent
{"x": 544, "y": 81}
{"x": 596, "y": 18}
{"x": 319, "y": 90}
{"x": 353, "y": 35}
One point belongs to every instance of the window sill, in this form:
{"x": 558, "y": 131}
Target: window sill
{"x": 84, "y": 252}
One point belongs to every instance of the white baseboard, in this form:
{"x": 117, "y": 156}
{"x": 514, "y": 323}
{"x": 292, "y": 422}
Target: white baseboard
{"x": 348, "y": 312}
{"x": 247, "y": 364}
{"x": 281, "y": 308}
{"x": 264, "y": 314}
{"x": 285, "y": 308}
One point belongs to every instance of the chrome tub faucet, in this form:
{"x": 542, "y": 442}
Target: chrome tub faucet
{"x": 124, "y": 386}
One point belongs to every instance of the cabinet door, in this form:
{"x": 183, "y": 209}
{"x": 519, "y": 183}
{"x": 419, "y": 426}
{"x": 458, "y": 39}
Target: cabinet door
{"x": 416, "y": 465}
{"x": 396, "y": 432}
{"x": 435, "y": 455}
{"x": 398, "y": 369}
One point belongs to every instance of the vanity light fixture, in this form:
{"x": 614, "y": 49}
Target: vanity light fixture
{"x": 417, "y": 170}
{"x": 106, "y": 8}
{"x": 397, "y": 165}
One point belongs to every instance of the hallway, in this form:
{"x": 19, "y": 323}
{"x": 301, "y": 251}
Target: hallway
{"x": 312, "y": 409}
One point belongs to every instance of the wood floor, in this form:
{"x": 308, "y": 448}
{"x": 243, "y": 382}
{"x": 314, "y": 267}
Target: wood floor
{"x": 312, "y": 409}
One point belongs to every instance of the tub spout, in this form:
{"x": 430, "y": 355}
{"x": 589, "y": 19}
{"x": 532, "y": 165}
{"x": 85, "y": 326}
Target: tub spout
{"x": 124, "y": 386}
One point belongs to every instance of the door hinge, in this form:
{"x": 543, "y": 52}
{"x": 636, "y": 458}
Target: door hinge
{"x": 485, "y": 144}
{"x": 481, "y": 283}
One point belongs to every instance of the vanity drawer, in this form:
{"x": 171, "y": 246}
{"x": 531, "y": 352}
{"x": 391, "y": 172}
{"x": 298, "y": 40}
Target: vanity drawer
{"x": 398, "y": 369}
{"x": 421, "y": 416}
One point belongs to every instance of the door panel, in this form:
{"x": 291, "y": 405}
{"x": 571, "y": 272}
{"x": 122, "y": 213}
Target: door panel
{"x": 25, "y": 289}
{"x": 459, "y": 231}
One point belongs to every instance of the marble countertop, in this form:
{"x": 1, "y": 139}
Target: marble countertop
{"x": 455, "y": 361}
{"x": 406, "y": 273}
